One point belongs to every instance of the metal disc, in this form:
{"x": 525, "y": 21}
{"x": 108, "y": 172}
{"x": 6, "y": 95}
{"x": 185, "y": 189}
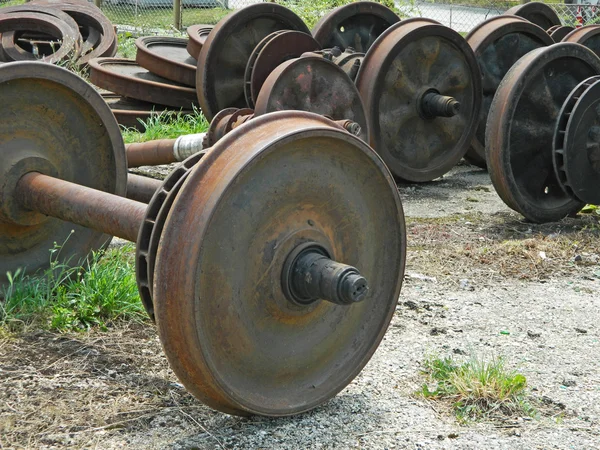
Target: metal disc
{"x": 356, "y": 25}
{"x": 39, "y": 22}
{"x": 521, "y": 125}
{"x": 224, "y": 56}
{"x": 588, "y": 36}
{"x": 54, "y": 122}
{"x": 576, "y": 149}
{"x": 536, "y": 12}
{"x": 88, "y": 15}
{"x": 272, "y": 184}
{"x": 273, "y": 50}
{"x": 126, "y": 77}
{"x": 167, "y": 57}
{"x": 314, "y": 84}
{"x": 149, "y": 237}
{"x": 9, "y": 39}
{"x": 197, "y": 35}
{"x": 498, "y": 44}
{"x": 559, "y": 32}
{"x": 409, "y": 59}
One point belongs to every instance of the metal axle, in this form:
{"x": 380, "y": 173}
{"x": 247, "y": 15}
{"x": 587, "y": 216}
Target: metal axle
{"x": 433, "y": 104}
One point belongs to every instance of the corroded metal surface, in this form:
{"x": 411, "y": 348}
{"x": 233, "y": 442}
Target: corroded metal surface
{"x": 311, "y": 83}
{"x": 576, "y": 144}
{"x": 53, "y": 122}
{"x": 39, "y": 22}
{"x": 197, "y": 35}
{"x": 141, "y": 189}
{"x": 127, "y": 78}
{"x": 355, "y": 25}
{"x": 230, "y": 334}
{"x": 273, "y": 50}
{"x": 74, "y": 203}
{"x": 410, "y": 60}
{"x": 559, "y": 32}
{"x": 150, "y": 153}
{"x": 589, "y": 36}
{"x": 498, "y": 44}
{"x": 167, "y": 57}
{"x": 225, "y": 54}
{"x": 521, "y": 126}
{"x": 536, "y": 12}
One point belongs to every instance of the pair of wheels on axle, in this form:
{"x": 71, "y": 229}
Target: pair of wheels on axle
{"x": 272, "y": 262}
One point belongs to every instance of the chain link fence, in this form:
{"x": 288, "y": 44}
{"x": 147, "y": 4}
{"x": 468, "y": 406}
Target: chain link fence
{"x": 173, "y": 16}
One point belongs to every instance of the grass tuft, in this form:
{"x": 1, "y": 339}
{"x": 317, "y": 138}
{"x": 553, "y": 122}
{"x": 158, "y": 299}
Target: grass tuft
{"x": 167, "y": 125}
{"x": 477, "y": 389}
{"x": 96, "y": 294}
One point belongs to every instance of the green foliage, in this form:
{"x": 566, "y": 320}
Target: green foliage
{"x": 476, "y": 389}
{"x": 167, "y": 125}
{"x": 126, "y": 46}
{"x": 97, "y": 293}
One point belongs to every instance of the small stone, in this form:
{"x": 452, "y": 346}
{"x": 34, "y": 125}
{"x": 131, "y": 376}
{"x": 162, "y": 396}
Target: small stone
{"x": 466, "y": 285}
{"x": 581, "y": 330}
{"x": 577, "y": 258}
{"x": 436, "y": 331}
{"x": 411, "y": 305}
{"x": 458, "y": 351}
{"x": 452, "y": 435}
{"x": 533, "y": 334}
{"x": 569, "y": 383}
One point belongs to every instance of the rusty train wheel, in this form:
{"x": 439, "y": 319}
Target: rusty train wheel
{"x": 355, "y": 25}
{"x": 314, "y": 84}
{"x": 167, "y": 57}
{"x": 559, "y": 32}
{"x": 411, "y": 62}
{"x": 498, "y": 44}
{"x": 197, "y": 35}
{"x": 576, "y": 144}
{"x": 274, "y": 185}
{"x": 536, "y": 12}
{"x": 225, "y": 54}
{"x": 273, "y": 50}
{"x": 521, "y": 125}
{"x": 36, "y": 136}
{"x": 588, "y": 36}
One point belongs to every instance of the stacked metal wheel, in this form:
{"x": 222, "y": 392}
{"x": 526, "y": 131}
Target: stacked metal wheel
{"x": 55, "y": 31}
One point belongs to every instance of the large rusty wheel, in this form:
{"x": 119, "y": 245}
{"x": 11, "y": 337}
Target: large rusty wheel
{"x": 559, "y": 32}
{"x": 588, "y": 36}
{"x": 314, "y": 84}
{"x": 498, "y": 44}
{"x": 225, "y": 54}
{"x": 355, "y": 25}
{"x": 232, "y": 327}
{"x": 421, "y": 86}
{"x": 536, "y": 12}
{"x": 521, "y": 124}
{"x": 576, "y": 145}
{"x": 52, "y": 121}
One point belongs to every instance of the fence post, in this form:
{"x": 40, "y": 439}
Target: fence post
{"x": 177, "y": 14}
{"x": 98, "y": 3}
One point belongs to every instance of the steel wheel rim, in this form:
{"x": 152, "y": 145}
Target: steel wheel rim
{"x": 525, "y": 179}
{"x": 215, "y": 368}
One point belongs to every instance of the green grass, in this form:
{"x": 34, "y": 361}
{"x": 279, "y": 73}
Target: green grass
{"x": 476, "y": 389}
{"x": 96, "y": 294}
{"x": 167, "y": 125}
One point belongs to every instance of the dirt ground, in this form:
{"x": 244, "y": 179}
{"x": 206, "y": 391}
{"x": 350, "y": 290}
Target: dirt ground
{"x": 479, "y": 280}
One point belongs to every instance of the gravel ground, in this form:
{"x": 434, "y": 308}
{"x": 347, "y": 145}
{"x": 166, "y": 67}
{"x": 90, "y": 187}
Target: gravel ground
{"x": 479, "y": 280}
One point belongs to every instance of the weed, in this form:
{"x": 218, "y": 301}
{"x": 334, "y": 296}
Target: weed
{"x": 167, "y": 125}
{"x": 477, "y": 389}
{"x": 97, "y": 293}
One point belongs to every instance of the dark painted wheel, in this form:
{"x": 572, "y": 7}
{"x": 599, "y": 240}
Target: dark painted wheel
{"x": 521, "y": 126}
{"x": 498, "y": 44}
{"x": 559, "y": 32}
{"x": 225, "y": 54}
{"x": 576, "y": 145}
{"x": 355, "y": 25}
{"x": 314, "y": 84}
{"x": 271, "y": 186}
{"x": 589, "y": 36}
{"x": 53, "y": 122}
{"x": 409, "y": 63}
{"x": 536, "y": 12}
